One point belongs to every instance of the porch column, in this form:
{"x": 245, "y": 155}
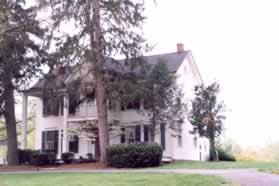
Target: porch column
{"x": 65, "y": 124}
{"x": 24, "y": 121}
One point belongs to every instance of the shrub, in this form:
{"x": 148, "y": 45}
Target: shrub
{"x": 25, "y": 156}
{"x": 134, "y": 155}
{"x": 68, "y": 157}
{"x": 90, "y": 156}
{"x": 246, "y": 157}
{"x": 43, "y": 158}
{"x": 225, "y": 156}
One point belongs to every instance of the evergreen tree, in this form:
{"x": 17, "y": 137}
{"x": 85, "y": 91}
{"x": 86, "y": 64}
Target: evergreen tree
{"x": 207, "y": 114}
{"x": 20, "y": 59}
{"x": 103, "y": 28}
{"x": 163, "y": 99}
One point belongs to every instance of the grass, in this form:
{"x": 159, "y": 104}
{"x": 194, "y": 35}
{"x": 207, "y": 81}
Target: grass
{"x": 123, "y": 179}
{"x": 222, "y": 165}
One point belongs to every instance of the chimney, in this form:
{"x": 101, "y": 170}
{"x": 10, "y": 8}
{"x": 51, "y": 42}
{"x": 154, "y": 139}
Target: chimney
{"x": 180, "y": 47}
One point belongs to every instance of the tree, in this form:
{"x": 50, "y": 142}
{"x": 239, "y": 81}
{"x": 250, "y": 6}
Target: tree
{"x": 20, "y": 59}
{"x": 163, "y": 99}
{"x": 207, "y": 114}
{"x": 30, "y": 128}
{"x": 103, "y": 28}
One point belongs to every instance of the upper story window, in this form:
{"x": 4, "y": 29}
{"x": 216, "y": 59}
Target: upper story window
{"x": 73, "y": 103}
{"x": 135, "y": 104}
{"x": 53, "y": 106}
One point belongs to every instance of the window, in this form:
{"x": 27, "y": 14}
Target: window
{"x": 163, "y": 136}
{"x": 50, "y": 141}
{"x": 131, "y": 105}
{"x": 131, "y": 134}
{"x": 74, "y": 102}
{"x": 123, "y": 136}
{"x": 146, "y": 133}
{"x": 53, "y": 106}
{"x": 73, "y": 144}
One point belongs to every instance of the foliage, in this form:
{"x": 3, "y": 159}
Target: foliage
{"x": 68, "y": 157}
{"x": 135, "y": 155}
{"x": 102, "y": 29}
{"x": 30, "y": 126}
{"x": 229, "y": 145}
{"x": 25, "y": 156}
{"x": 224, "y": 155}
{"x": 21, "y": 56}
{"x": 207, "y": 114}
{"x": 246, "y": 157}
{"x": 90, "y": 156}
{"x": 169, "y": 107}
{"x": 43, "y": 158}
{"x": 123, "y": 179}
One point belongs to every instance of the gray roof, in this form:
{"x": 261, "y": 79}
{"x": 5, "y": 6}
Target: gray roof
{"x": 172, "y": 60}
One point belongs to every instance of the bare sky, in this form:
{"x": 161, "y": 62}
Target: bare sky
{"x": 235, "y": 42}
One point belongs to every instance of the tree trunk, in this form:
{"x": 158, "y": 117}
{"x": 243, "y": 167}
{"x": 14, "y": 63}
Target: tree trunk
{"x": 212, "y": 152}
{"x": 98, "y": 64}
{"x": 10, "y": 120}
{"x": 102, "y": 120}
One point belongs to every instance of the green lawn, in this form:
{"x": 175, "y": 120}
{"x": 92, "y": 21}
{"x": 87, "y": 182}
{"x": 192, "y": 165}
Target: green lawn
{"x": 222, "y": 165}
{"x": 123, "y": 179}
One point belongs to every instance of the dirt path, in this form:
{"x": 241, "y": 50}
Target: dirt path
{"x": 242, "y": 177}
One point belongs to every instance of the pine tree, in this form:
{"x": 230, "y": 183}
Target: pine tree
{"x": 103, "y": 28}
{"x": 20, "y": 59}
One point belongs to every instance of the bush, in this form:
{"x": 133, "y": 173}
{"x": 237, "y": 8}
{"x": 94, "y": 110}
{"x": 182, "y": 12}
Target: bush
{"x": 134, "y": 155}
{"x": 90, "y": 156}
{"x": 25, "y": 156}
{"x": 225, "y": 156}
{"x": 68, "y": 157}
{"x": 43, "y": 158}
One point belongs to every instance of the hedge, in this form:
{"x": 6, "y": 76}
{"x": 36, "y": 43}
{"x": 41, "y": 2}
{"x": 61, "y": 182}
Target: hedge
{"x": 136, "y": 155}
{"x": 68, "y": 157}
{"x": 225, "y": 156}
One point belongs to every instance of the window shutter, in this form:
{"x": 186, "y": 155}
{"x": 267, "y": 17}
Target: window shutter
{"x": 138, "y": 133}
{"x": 62, "y": 105}
{"x": 163, "y": 136}
{"x": 122, "y": 137}
{"x": 43, "y": 140}
{"x": 146, "y": 133}
{"x": 76, "y": 143}
{"x": 56, "y": 141}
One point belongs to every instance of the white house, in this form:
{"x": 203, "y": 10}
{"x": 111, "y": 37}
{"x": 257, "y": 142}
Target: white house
{"x": 52, "y": 129}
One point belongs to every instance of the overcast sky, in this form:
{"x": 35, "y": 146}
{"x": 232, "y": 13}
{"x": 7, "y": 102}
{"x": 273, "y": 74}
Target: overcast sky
{"x": 235, "y": 42}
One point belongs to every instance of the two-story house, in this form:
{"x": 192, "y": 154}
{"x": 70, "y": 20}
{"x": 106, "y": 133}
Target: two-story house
{"x": 52, "y": 125}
